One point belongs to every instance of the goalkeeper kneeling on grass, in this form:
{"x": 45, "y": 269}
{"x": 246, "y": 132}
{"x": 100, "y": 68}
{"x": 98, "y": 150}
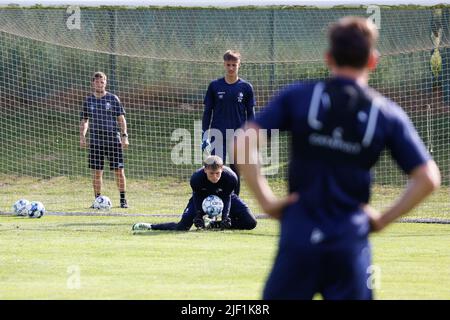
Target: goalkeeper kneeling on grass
{"x": 212, "y": 179}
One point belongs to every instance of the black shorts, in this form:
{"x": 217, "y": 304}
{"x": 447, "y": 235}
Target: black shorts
{"x": 111, "y": 150}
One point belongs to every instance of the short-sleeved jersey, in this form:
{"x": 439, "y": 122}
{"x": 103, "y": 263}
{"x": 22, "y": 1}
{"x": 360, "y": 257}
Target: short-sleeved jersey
{"x": 229, "y": 105}
{"x": 202, "y": 187}
{"x": 339, "y": 130}
{"x": 102, "y": 114}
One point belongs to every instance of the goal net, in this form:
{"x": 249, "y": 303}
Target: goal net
{"x": 159, "y": 62}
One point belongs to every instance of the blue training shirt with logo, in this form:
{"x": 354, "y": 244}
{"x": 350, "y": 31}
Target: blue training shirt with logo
{"x": 102, "y": 114}
{"x": 338, "y": 131}
{"x": 229, "y": 105}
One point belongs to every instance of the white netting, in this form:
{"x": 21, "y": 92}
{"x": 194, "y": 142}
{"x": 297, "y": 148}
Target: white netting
{"x": 160, "y": 61}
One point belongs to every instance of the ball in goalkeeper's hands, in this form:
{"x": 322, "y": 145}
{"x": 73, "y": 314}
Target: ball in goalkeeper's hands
{"x": 212, "y": 205}
{"x": 225, "y": 223}
{"x": 198, "y": 221}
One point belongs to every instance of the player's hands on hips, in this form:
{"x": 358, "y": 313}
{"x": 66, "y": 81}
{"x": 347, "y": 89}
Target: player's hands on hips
{"x": 375, "y": 218}
{"x": 83, "y": 143}
{"x": 275, "y": 207}
{"x": 125, "y": 143}
{"x": 198, "y": 221}
{"x": 225, "y": 223}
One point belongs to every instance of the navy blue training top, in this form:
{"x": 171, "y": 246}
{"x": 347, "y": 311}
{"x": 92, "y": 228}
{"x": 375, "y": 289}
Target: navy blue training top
{"x": 339, "y": 130}
{"x": 202, "y": 187}
{"x": 102, "y": 114}
{"x": 228, "y": 105}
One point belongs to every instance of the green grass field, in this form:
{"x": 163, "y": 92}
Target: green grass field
{"x": 44, "y": 80}
{"x": 39, "y": 258}
{"x": 42, "y": 258}
{"x": 165, "y": 195}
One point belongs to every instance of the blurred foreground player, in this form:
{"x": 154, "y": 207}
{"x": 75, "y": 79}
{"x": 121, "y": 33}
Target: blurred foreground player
{"x": 339, "y": 127}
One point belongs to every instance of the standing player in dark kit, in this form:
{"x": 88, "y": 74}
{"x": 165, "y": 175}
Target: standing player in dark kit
{"x": 212, "y": 179}
{"x": 104, "y": 115}
{"x": 229, "y": 103}
{"x": 339, "y": 127}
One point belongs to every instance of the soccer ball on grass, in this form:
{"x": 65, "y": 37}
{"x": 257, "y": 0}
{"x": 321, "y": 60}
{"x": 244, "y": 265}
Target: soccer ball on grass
{"x": 102, "y": 203}
{"x": 35, "y": 209}
{"x": 20, "y": 207}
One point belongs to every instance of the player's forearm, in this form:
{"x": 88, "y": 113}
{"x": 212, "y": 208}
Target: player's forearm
{"x": 249, "y": 167}
{"x": 197, "y": 201}
{"x": 423, "y": 181}
{"x": 226, "y": 207}
{"x": 206, "y": 119}
{"x": 250, "y": 113}
{"x": 84, "y": 125}
{"x": 258, "y": 184}
{"x": 122, "y": 125}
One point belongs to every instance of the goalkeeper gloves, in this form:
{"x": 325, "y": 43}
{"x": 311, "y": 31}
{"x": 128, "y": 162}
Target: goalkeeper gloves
{"x": 206, "y": 144}
{"x": 225, "y": 223}
{"x": 198, "y": 221}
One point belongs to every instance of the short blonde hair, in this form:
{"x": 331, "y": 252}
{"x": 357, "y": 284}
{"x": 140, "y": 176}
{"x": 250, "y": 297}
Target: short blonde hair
{"x": 213, "y": 162}
{"x": 98, "y": 74}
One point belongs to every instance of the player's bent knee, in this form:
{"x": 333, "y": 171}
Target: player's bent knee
{"x": 252, "y": 225}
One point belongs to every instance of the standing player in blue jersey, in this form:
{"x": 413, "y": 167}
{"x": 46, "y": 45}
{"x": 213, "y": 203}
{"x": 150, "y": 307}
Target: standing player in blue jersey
{"x": 229, "y": 103}
{"x": 104, "y": 116}
{"x": 339, "y": 127}
{"x": 212, "y": 179}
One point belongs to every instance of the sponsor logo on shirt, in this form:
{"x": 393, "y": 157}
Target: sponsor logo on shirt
{"x": 220, "y": 94}
{"x": 108, "y": 106}
{"x": 335, "y": 142}
{"x": 240, "y": 97}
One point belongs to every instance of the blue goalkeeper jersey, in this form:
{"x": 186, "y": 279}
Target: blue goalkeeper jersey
{"x": 338, "y": 131}
{"x": 202, "y": 187}
{"x": 102, "y": 114}
{"x": 228, "y": 106}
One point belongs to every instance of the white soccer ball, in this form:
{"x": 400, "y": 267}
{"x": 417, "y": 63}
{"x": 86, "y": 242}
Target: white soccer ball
{"x": 102, "y": 203}
{"x": 20, "y": 207}
{"x": 35, "y": 209}
{"x": 212, "y": 205}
